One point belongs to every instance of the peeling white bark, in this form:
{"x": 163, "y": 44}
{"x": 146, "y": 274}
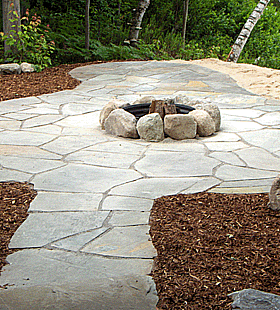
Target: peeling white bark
{"x": 246, "y": 31}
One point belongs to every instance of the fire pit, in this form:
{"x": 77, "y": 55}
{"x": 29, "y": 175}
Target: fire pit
{"x": 152, "y": 119}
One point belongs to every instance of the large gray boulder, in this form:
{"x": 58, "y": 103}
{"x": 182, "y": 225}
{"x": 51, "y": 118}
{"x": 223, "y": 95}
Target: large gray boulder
{"x": 274, "y": 194}
{"x": 150, "y": 127}
{"x": 212, "y": 110}
{"x": 205, "y": 123}
{"x": 10, "y": 69}
{"x": 250, "y": 299}
{"x": 121, "y": 123}
{"x": 180, "y": 126}
{"x": 108, "y": 108}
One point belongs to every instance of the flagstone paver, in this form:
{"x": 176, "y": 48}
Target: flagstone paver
{"x": 85, "y": 244}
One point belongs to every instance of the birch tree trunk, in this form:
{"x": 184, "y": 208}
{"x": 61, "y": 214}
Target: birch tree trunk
{"x": 246, "y": 31}
{"x": 137, "y": 20}
{"x": 11, "y": 11}
{"x": 185, "y": 18}
{"x": 87, "y": 25}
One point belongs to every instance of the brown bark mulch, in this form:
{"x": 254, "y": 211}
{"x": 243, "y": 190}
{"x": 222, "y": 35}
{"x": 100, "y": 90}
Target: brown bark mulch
{"x": 210, "y": 245}
{"x": 15, "y": 198}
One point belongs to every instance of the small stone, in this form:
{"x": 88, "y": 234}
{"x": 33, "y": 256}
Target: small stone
{"x": 205, "y": 124}
{"x": 212, "y": 110}
{"x": 26, "y": 67}
{"x": 250, "y": 299}
{"x": 10, "y": 69}
{"x": 274, "y": 194}
{"x": 121, "y": 123}
{"x": 150, "y": 127}
{"x": 108, "y": 108}
{"x": 180, "y": 126}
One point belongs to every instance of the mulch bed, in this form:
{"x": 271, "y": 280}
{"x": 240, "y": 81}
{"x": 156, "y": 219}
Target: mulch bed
{"x": 15, "y": 198}
{"x": 210, "y": 245}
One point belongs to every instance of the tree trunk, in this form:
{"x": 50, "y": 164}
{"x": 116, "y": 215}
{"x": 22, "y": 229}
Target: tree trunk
{"x": 246, "y": 31}
{"x": 137, "y": 20}
{"x": 11, "y": 11}
{"x": 185, "y": 18}
{"x": 87, "y": 24}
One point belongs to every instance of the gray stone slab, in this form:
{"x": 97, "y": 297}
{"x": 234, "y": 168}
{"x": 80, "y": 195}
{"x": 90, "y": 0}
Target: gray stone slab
{"x": 29, "y": 165}
{"x": 270, "y": 108}
{"x": 127, "y": 203}
{"x": 27, "y": 151}
{"x": 13, "y": 175}
{"x": 40, "y": 229}
{"x": 64, "y": 97}
{"x": 189, "y": 145}
{"x": 78, "y": 241}
{"x": 155, "y": 187}
{"x": 259, "y": 158}
{"x": 41, "y": 120}
{"x": 123, "y": 293}
{"x": 231, "y": 173}
{"x": 42, "y": 267}
{"x": 221, "y": 137}
{"x": 129, "y": 241}
{"x": 24, "y": 138}
{"x": 175, "y": 164}
{"x": 10, "y": 124}
{"x": 81, "y": 108}
{"x": 88, "y": 120}
{"x": 241, "y": 190}
{"x": 247, "y": 113}
{"x": 67, "y": 144}
{"x": 42, "y": 109}
{"x": 239, "y": 126}
{"x": 268, "y": 139}
{"x": 53, "y": 201}
{"x": 83, "y": 178}
{"x": 103, "y": 159}
{"x": 247, "y": 183}
{"x": 128, "y": 218}
{"x": 269, "y": 119}
{"x": 50, "y": 129}
{"x": 19, "y": 116}
{"x": 250, "y": 299}
{"x": 120, "y": 146}
{"x": 202, "y": 185}
{"x": 228, "y": 158}
{"x": 225, "y": 146}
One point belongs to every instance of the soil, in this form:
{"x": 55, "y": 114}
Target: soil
{"x": 209, "y": 245}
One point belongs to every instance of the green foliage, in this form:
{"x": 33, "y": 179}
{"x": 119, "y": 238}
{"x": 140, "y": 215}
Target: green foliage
{"x": 30, "y": 44}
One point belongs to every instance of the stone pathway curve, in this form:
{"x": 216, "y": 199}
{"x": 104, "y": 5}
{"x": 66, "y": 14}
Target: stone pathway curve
{"x": 85, "y": 244}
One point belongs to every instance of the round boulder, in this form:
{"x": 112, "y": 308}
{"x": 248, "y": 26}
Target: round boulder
{"x": 150, "y": 127}
{"x": 108, "y": 108}
{"x": 205, "y": 123}
{"x": 121, "y": 123}
{"x": 213, "y": 111}
{"x": 180, "y": 126}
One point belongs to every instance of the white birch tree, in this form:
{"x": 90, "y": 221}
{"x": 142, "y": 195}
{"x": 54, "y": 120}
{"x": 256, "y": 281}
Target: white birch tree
{"x": 137, "y": 20}
{"x": 87, "y": 30}
{"x": 185, "y": 18}
{"x": 246, "y": 31}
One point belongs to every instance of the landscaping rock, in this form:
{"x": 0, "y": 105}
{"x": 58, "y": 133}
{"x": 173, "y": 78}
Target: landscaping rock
{"x": 10, "y": 69}
{"x": 150, "y": 127}
{"x": 212, "y": 110}
{"x": 180, "y": 126}
{"x": 121, "y": 123}
{"x": 26, "y": 67}
{"x": 274, "y": 194}
{"x": 146, "y": 99}
{"x": 250, "y": 299}
{"x": 108, "y": 108}
{"x": 205, "y": 123}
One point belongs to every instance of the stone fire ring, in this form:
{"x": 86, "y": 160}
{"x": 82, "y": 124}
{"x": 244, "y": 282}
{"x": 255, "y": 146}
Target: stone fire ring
{"x": 152, "y": 120}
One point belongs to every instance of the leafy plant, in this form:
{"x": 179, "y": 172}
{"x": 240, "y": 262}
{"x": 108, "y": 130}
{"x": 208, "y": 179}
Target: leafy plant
{"x": 30, "y": 43}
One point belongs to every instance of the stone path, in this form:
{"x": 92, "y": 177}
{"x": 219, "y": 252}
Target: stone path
{"x": 85, "y": 244}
